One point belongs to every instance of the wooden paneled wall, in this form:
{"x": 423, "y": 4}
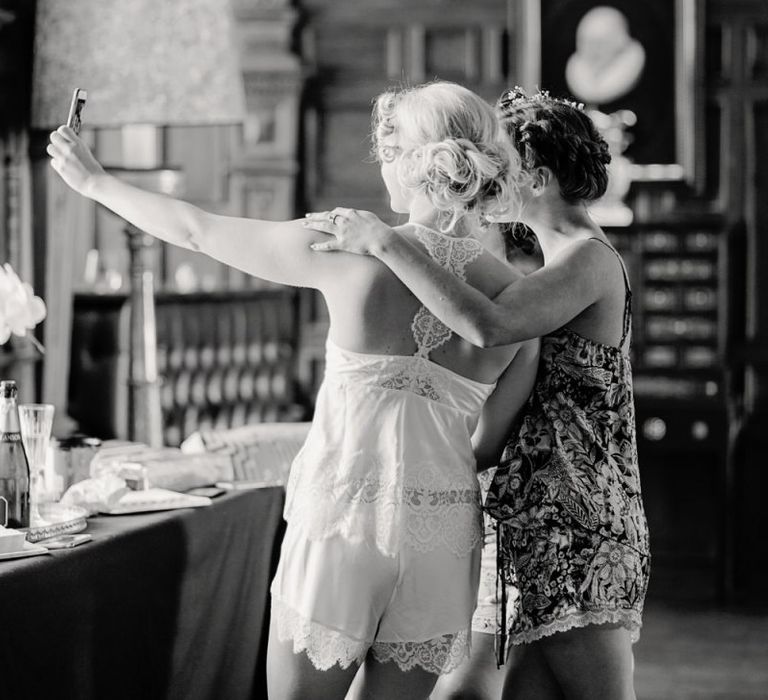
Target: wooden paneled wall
{"x": 357, "y": 50}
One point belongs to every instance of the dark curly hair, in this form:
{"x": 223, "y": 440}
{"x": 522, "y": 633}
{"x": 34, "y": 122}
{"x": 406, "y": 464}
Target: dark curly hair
{"x": 557, "y": 134}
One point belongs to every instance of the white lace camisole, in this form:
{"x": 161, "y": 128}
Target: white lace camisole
{"x": 388, "y": 459}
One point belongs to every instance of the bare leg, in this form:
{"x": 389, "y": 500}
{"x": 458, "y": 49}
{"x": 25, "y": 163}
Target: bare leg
{"x": 355, "y": 690}
{"x": 591, "y": 663}
{"x": 477, "y": 678}
{"x": 293, "y": 677}
{"x": 529, "y": 676}
{"x": 385, "y": 681}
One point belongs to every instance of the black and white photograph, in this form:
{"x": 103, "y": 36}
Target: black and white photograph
{"x": 383, "y": 350}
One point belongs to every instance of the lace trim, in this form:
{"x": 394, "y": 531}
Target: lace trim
{"x": 419, "y": 384}
{"x": 429, "y": 332}
{"x": 439, "y": 655}
{"x": 629, "y": 619}
{"x": 425, "y": 510}
{"x": 324, "y": 647}
{"x": 454, "y": 254}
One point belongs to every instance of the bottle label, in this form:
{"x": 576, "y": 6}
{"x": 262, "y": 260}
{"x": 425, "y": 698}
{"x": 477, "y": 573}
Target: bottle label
{"x": 16, "y": 493}
{"x": 10, "y": 437}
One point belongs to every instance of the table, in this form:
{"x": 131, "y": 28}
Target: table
{"x": 161, "y": 605}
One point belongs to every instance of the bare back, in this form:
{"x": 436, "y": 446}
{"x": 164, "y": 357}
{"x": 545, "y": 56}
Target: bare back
{"x": 372, "y": 312}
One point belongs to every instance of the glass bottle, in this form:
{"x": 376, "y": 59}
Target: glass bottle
{"x": 14, "y": 467}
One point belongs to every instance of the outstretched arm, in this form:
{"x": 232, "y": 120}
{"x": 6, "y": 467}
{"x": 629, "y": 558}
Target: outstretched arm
{"x": 528, "y": 308}
{"x": 502, "y": 408}
{"x": 275, "y": 251}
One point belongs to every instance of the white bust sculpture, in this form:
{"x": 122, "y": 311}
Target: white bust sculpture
{"x": 607, "y": 62}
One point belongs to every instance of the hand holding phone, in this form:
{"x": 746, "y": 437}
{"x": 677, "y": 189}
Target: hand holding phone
{"x": 75, "y": 119}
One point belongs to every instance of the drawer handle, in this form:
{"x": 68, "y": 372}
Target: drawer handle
{"x": 654, "y": 429}
{"x": 700, "y": 430}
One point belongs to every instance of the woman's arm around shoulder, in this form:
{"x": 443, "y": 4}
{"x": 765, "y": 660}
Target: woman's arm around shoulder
{"x": 552, "y": 296}
{"x": 504, "y": 404}
{"x": 527, "y": 308}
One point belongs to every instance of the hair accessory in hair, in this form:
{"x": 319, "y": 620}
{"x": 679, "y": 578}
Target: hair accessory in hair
{"x": 517, "y": 96}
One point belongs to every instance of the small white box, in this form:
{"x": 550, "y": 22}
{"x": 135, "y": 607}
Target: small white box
{"x": 11, "y": 540}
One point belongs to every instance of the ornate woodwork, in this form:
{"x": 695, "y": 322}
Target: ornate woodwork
{"x": 224, "y": 360}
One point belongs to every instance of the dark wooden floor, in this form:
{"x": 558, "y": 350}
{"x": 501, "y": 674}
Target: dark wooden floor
{"x": 686, "y": 654}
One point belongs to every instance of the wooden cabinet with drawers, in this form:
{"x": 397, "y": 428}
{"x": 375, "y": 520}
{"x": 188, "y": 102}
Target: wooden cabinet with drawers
{"x": 688, "y": 297}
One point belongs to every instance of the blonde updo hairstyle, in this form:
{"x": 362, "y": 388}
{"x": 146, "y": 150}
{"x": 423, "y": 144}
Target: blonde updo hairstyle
{"x": 462, "y": 160}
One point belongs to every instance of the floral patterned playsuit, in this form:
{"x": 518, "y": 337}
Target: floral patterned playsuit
{"x": 572, "y": 530}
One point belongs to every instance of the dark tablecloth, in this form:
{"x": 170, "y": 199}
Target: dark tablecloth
{"x": 161, "y": 605}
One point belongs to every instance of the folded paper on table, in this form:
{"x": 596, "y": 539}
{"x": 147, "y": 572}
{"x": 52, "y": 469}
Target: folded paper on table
{"x": 154, "y": 499}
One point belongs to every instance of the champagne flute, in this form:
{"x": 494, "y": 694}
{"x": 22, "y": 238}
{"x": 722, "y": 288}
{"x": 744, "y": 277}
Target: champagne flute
{"x": 36, "y": 421}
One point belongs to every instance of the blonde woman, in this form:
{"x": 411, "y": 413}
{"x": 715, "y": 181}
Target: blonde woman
{"x": 567, "y": 491}
{"x": 380, "y": 561}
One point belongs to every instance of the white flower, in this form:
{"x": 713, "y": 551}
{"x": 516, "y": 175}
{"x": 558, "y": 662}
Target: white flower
{"x": 20, "y": 309}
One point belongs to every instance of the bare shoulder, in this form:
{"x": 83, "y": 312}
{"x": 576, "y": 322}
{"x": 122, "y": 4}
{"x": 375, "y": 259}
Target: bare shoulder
{"x": 590, "y": 256}
{"x": 589, "y": 250}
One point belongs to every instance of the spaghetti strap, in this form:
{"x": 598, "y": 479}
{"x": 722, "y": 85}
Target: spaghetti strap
{"x": 627, "y": 319}
{"x": 616, "y": 253}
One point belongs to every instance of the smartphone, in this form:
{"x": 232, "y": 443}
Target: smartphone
{"x": 65, "y": 541}
{"x": 75, "y": 119}
{"x": 209, "y": 491}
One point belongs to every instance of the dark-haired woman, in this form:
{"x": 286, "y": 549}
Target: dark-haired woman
{"x": 566, "y": 494}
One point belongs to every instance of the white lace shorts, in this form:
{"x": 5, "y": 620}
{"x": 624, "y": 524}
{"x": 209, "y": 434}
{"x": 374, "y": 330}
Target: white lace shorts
{"x": 336, "y": 600}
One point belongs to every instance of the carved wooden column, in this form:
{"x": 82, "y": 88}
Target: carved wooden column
{"x": 263, "y": 182}
{"x": 144, "y": 415}
{"x": 145, "y": 422}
